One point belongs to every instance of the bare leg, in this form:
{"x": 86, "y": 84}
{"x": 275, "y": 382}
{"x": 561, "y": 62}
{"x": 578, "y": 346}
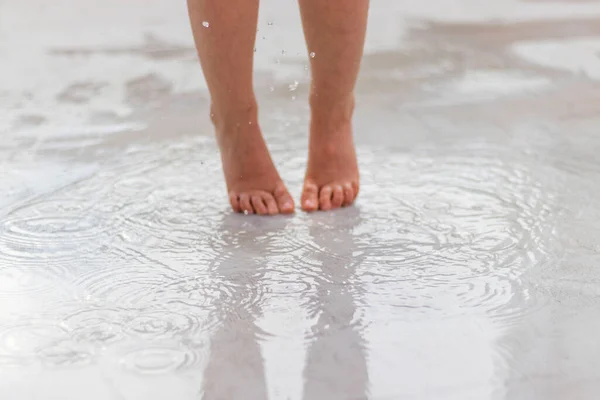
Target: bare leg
{"x": 225, "y": 32}
{"x": 335, "y": 34}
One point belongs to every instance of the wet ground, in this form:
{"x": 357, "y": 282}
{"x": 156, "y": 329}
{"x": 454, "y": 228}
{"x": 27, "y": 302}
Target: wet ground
{"x": 469, "y": 269}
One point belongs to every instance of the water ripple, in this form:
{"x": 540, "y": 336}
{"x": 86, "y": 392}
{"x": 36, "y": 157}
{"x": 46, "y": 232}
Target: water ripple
{"x": 126, "y": 287}
{"x": 162, "y": 324}
{"x": 158, "y": 360}
{"x": 464, "y": 228}
{"x": 46, "y": 236}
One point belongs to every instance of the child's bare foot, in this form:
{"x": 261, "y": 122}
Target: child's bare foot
{"x": 253, "y": 183}
{"x": 332, "y": 177}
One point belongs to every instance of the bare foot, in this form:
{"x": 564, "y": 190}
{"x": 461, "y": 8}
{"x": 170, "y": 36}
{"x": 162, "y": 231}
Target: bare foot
{"x": 332, "y": 177}
{"x": 253, "y": 183}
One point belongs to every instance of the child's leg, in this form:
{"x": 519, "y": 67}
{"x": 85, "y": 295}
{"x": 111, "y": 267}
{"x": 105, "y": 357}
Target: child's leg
{"x": 335, "y": 34}
{"x": 225, "y": 32}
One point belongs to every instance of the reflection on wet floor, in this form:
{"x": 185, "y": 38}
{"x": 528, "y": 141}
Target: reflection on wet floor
{"x": 135, "y": 268}
{"x": 467, "y": 270}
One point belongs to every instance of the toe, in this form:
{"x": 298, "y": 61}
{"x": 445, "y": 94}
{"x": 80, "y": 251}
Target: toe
{"x": 325, "y": 198}
{"x": 245, "y": 205}
{"x": 310, "y": 195}
{"x": 337, "y": 198}
{"x": 284, "y": 200}
{"x": 355, "y": 188}
{"x": 348, "y": 195}
{"x": 271, "y": 204}
{"x": 234, "y": 199}
{"x": 259, "y": 206}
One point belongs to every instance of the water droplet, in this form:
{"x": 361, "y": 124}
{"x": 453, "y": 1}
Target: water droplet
{"x": 245, "y": 212}
{"x": 293, "y": 86}
{"x": 205, "y": 24}
{"x": 270, "y": 23}
{"x": 255, "y": 49}
{"x": 312, "y": 54}
{"x": 293, "y": 98}
{"x": 272, "y": 88}
{"x": 283, "y": 52}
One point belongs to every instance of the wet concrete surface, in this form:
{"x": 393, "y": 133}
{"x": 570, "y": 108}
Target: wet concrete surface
{"x": 469, "y": 269}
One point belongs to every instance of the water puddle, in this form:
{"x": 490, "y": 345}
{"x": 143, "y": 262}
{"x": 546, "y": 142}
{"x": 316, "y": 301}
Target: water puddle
{"x": 142, "y": 265}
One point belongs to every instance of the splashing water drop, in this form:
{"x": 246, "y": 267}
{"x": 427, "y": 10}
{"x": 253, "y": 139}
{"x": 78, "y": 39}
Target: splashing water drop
{"x": 293, "y": 86}
{"x": 205, "y": 24}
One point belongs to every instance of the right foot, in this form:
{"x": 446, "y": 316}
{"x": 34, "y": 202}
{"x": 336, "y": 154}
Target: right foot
{"x": 253, "y": 183}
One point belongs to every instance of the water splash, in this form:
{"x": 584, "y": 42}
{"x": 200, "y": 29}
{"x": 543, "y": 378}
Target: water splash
{"x": 293, "y": 86}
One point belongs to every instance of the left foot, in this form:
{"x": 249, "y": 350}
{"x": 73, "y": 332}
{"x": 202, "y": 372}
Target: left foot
{"x": 332, "y": 177}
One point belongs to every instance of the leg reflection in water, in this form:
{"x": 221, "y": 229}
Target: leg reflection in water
{"x": 235, "y": 370}
{"x": 336, "y": 366}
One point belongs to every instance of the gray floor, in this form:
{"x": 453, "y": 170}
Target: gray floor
{"x": 469, "y": 269}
